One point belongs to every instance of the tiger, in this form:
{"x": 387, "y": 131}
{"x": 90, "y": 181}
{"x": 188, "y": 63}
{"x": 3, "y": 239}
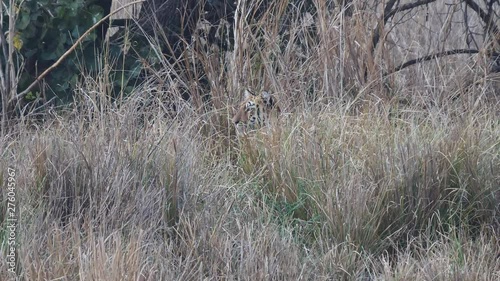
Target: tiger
{"x": 255, "y": 111}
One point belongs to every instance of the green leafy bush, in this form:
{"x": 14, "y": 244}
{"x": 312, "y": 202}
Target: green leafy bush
{"x": 45, "y": 30}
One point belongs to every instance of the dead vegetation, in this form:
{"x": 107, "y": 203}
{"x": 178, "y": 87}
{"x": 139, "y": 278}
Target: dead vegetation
{"x": 368, "y": 177}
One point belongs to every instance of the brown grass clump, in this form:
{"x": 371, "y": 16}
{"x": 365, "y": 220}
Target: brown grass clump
{"x": 362, "y": 178}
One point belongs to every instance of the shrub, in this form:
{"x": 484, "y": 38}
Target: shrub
{"x": 45, "y": 30}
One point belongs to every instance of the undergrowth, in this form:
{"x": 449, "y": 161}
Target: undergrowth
{"x": 357, "y": 180}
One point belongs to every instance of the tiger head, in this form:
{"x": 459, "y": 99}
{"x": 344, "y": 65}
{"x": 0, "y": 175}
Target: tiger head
{"x": 255, "y": 111}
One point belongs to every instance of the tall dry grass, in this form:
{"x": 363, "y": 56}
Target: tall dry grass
{"x": 363, "y": 178}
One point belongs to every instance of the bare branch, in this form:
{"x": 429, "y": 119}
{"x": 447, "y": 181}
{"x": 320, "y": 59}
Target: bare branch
{"x": 389, "y": 12}
{"x": 485, "y": 17}
{"x": 380, "y": 26}
{"x": 408, "y": 6}
{"x": 431, "y": 57}
{"x": 3, "y": 44}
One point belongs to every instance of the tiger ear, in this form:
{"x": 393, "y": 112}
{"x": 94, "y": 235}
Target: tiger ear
{"x": 247, "y": 94}
{"x": 266, "y": 96}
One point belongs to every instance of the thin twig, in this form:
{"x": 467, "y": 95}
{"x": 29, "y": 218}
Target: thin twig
{"x": 3, "y": 48}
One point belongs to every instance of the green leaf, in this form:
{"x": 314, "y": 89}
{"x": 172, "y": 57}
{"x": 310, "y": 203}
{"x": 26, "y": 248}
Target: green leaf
{"x": 48, "y": 55}
{"x": 23, "y": 21}
{"x": 30, "y": 96}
